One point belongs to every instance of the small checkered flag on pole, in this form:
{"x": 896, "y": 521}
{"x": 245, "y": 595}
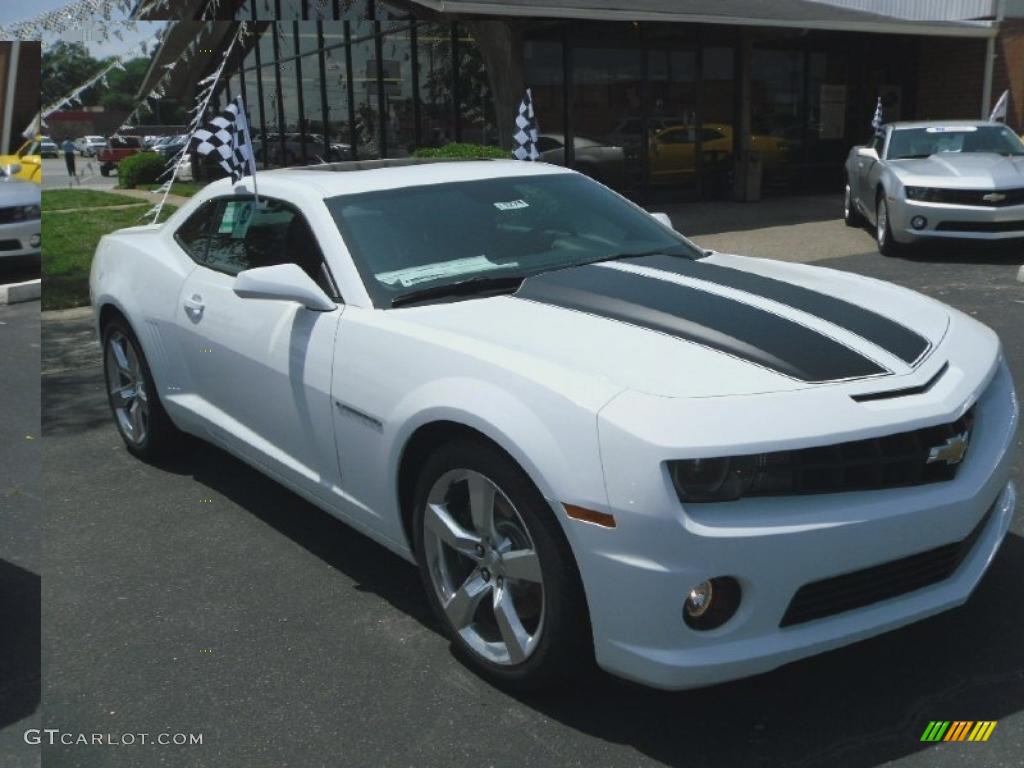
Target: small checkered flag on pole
{"x": 876, "y": 121}
{"x": 526, "y": 131}
{"x": 227, "y": 137}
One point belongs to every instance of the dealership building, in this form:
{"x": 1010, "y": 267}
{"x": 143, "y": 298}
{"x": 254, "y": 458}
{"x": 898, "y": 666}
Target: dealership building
{"x": 662, "y": 99}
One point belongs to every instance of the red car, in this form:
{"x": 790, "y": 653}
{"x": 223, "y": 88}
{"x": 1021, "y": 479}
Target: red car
{"x": 118, "y": 148}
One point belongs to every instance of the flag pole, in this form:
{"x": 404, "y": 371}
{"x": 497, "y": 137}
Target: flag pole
{"x": 196, "y": 122}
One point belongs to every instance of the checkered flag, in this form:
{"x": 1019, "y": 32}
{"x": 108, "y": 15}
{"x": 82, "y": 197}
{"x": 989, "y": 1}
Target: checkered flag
{"x": 227, "y": 136}
{"x": 876, "y": 121}
{"x": 526, "y": 131}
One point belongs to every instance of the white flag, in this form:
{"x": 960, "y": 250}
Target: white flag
{"x": 999, "y": 110}
{"x": 876, "y": 121}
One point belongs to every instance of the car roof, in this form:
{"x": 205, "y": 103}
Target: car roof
{"x": 330, "y": 179}
{"x": 934, "y": 123}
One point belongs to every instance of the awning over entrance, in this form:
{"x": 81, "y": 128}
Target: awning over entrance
{"x": 801, "y": 14}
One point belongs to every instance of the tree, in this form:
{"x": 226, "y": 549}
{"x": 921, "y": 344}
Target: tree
{"x": 123, "y": 85}
{"x": 64, "y": 67}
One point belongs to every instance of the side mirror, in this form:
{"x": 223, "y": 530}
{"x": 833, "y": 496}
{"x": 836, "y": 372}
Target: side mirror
{"x": 867, "y": 152}
{"x": 283, "y": 282}
{"x": 662, "y": 218}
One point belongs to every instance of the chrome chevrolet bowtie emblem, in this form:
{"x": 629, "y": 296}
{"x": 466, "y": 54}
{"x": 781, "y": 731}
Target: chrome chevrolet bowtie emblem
{"x": 994, "y": 197}
{"x": 951, "y": 452}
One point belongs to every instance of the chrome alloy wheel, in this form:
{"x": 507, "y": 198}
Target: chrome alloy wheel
{"x": 126, "y": 385}
{"x": 883, "y": 222}
{"x": 484, "y": 567}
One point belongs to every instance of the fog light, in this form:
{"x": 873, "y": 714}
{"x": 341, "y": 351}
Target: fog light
{"x": 699, "y": 599}
{"x": 34, "y": 241}
{"x": 711, "y": 603}
{"x": 919, "y": 222}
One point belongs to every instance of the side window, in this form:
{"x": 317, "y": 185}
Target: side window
{"x": 194, "y": 235}
{"x": 246, "y": 234}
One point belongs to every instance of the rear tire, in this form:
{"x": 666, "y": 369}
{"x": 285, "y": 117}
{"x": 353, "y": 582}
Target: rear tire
{"x": 144, "y": 425}
{"x": 498, "y": 571}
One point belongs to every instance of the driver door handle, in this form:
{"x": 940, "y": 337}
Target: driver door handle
{"x": 194, "y": 305}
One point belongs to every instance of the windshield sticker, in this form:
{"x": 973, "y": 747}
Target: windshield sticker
{"x": 235, "y": 221}
{"x": 951, "y": 128}
{"x": 512, "y": 205}
{"x": 427, "y": 272}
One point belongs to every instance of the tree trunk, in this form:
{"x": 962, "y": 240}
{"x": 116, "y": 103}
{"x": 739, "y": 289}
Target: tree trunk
{"x": 501, "y": 47}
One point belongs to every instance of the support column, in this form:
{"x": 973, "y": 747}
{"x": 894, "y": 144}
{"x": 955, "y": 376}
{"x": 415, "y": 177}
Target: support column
{"x": 741, "y": 120}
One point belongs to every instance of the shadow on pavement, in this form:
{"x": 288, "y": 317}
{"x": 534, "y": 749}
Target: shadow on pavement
{"x": 372, "y": 567}
{"x": 862, "y": 705}
{"x": 19, "y": 643}
{"x": 717, "y": 216}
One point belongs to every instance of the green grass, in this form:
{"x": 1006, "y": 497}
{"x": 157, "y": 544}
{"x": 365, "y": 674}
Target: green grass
{"x": 63, "y": 199}
{"x": 69, "y": 241}
{"x": 183, "y": 188}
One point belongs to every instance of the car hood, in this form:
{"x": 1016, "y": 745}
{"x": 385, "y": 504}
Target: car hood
{"x": 972, "y": 170}
{"x": 16, "y": 192}
{"x": 723, "y": 325}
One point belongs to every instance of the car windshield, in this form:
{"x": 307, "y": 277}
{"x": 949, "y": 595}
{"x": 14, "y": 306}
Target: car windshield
{"x": 931, "y": 140}
{"x": 427, "y": 236}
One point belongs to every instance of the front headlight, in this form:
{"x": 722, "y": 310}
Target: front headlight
{"x": 730, "y": 478}
{"x": 921, "y": 193}
{"x": 24, "y": 212}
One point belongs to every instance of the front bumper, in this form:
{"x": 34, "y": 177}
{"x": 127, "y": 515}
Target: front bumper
{"x": 17, "y": 238}
{"x": 946, "y": 221}
{"x": 637, "y": 575}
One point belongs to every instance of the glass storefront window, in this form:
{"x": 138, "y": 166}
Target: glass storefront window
{"x": 336, "y": 75}
{"x": 672, "y": 128}
{"x": 399, "y": 108}
{"x": 268, "y": 145}
{"x": 307, "y": 36}
{"x": 433, "y": 47}
{"x": 776, "y": 116}
{"x": 606, "y": 103}
{"x": 313, "y": 123}
{"x": 364, "y": 76}
{"x": 476, "y": 104}
{"x": 717, "y": 108}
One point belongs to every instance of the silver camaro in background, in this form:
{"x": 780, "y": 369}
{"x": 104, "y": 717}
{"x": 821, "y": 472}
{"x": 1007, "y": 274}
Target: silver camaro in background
{"x": 929, "y": 180}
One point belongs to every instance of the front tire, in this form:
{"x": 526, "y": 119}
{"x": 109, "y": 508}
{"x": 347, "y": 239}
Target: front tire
{"x": 887, "y": 246}
{"x": 497, "y": 570}
{"x": 144, "y": 425}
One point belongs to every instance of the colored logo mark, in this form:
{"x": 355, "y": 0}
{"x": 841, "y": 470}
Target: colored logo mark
{"x": 958, "y": 730}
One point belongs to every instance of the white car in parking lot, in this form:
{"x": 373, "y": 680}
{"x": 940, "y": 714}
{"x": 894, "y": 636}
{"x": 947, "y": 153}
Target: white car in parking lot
{"x": 595, "y": 439}
{"x": 19, "y": 217}
{"x": 933, "y": 181}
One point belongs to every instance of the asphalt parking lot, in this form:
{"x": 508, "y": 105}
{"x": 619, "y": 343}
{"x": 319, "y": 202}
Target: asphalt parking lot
{"x": 200, "y": 597}
{"x": 19, "y": 531}
{"x": 55, "y": 174}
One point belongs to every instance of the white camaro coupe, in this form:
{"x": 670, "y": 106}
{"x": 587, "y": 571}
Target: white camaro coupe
{"x": 596, "y": 440}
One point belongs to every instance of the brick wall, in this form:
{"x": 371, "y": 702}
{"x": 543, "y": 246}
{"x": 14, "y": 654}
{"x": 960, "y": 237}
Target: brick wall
{"x": 950, "y": 75}
{"x": 1009, "y": 70}
{"x": 952, "y": 72}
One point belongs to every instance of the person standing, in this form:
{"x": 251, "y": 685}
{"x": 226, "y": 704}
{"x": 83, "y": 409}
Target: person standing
{"x": 69, "y": 156}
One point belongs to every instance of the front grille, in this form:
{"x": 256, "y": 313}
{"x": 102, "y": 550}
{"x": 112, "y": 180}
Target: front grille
{"x": 981, "y": 226}
{"x": 881, "y": 582}
{"x": 891, "y": 461}
{"x": 976, "y": 197}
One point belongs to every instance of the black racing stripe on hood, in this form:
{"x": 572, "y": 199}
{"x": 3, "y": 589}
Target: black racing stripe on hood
{"x": 702, "y": 317}
{"x": 891, "y": 336}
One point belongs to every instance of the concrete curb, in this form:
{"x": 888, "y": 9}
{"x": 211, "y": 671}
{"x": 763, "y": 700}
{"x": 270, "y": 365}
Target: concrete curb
{"x": 1020, "y": 275}
{"x": 13, "y": 293}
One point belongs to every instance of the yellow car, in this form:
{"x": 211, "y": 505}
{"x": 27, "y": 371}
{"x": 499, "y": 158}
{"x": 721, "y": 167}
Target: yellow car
{"x": 29, "y": 159}
{"x": 672, "y": 150}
